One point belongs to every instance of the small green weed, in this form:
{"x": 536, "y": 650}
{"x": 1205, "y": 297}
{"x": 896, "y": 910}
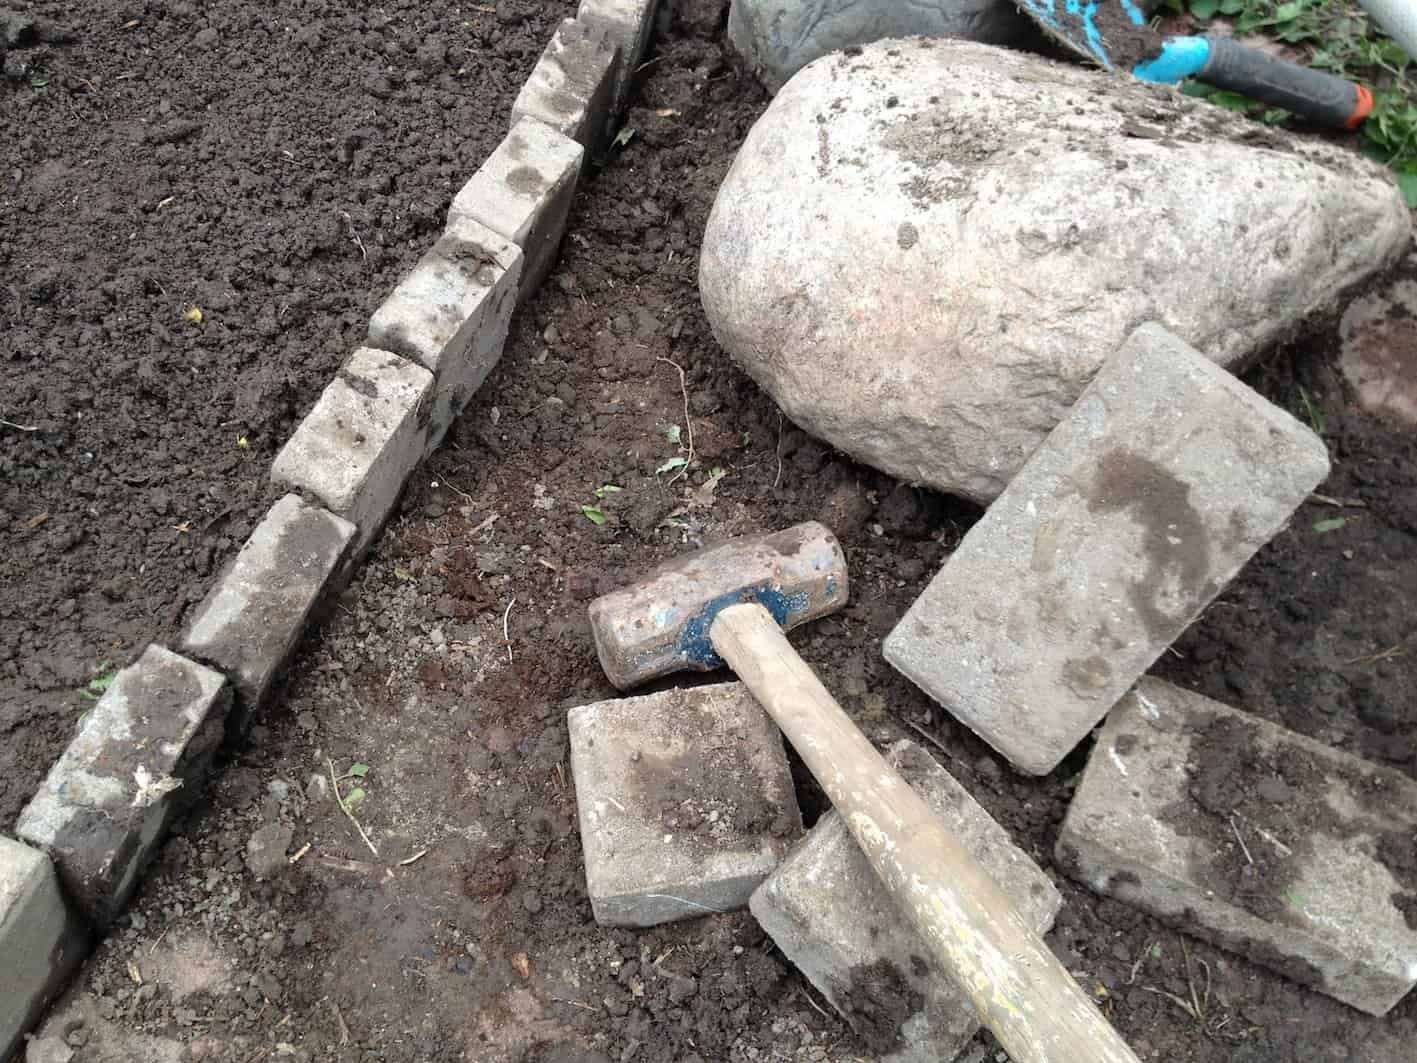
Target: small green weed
{"x": 347, "y": 802}
{"x": 1316, "y": 415}
{"x": 103, "y": 678}
{"x": 1337, "y": 36}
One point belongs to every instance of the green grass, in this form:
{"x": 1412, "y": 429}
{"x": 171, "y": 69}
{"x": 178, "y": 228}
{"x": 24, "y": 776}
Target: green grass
{"x": 1337, "y": 36}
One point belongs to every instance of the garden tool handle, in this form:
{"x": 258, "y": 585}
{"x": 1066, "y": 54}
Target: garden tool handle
{"x": 1322, "y": 98}
{"x": 1023, "y": 994}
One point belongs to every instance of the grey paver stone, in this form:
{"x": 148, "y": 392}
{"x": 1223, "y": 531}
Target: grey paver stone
{"x": 365, "y": 435}
{"x": 451, "y": 314}
{"x": 1140, "y": 506}
{"x": 524, "y": 192}
{"x": 826, "y": 910}
{"x": 685, "y": 802}
{"x": 249, "y": 623}
{"x": 139, "y": 757}
{"x": 570, "y": 87}
{"x": 41, "y": 939}
{"x": 628, "y": 24}
{"x": 1295, "y": 855}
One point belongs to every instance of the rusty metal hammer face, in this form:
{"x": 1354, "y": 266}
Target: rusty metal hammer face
{"x": 661, "y": 624}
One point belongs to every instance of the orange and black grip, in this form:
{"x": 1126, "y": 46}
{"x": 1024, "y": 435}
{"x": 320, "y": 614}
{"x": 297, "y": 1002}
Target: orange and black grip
{"x": 1321, "y": 98}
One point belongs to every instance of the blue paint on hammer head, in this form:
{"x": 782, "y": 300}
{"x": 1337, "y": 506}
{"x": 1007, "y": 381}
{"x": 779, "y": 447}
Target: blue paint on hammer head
{"x": 694, "y": 644}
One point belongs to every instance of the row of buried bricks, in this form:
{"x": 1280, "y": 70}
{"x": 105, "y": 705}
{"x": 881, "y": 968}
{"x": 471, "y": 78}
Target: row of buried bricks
{"x": 140, "y": 756}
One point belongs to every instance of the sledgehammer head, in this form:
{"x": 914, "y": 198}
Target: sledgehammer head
{"x": 661, "y": 624}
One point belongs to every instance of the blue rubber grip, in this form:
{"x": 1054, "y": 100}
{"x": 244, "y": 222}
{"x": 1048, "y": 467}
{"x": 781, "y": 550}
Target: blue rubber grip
{"x": 1180, "y": 58}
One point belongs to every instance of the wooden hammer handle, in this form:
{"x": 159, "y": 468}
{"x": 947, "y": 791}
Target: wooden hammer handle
{"x": 1020, "y": 990}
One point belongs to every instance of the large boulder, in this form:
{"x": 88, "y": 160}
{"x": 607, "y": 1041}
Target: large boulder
{"x": 777, "y": 38}
{"x": 925, "y": 251}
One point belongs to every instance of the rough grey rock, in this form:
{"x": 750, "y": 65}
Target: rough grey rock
{"x": 138, "y": 759}
{"x": 777, "y": 38}
{"x": 925, "y": 252}
{"x": 1378, "y": 355}
{"x": 41, "y": 939}
{"x": 523, "y": 191}
{"x": 265, "y": 851}
{"x": 251, "y": 620}
{"x": 685, "y": 801}
{"x": 830, "y": 915}
{"x": 1142, "y": 504}
{"x": 356, "y": 448}
{"x": 1337, "y": 848}
{"x": 48, "y": 1050}
{"x": 570, "y": 87}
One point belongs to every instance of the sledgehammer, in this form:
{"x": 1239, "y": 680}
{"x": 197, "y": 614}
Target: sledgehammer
{"x": 731, "y": 604}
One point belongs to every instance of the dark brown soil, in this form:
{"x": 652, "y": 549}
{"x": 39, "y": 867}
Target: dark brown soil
{"x": 1240, "y": 788}
{"x": 1126, "y": 43}
{"x": 448, "y": 666}
{"x": 276, "y": 166}
{"x": 880, "y": 1000}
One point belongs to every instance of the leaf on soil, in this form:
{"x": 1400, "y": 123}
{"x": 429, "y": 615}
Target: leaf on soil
{"x": 623, "y": 138}
{"x": 359, "y": 770}
{"x": 672, "y": 432}
{"x": 592, "y": 514}
{"x": 1408, "y": 183}
{"x": 100, "y": 683}
{"x": 1331, "y": 524}
{"x": 193, "y": 314}
{"x": 671, "y": 465}
{"x": 1316, "y": 415}
{"x": 607, "y": 489}
{"x": 354, "y": 797}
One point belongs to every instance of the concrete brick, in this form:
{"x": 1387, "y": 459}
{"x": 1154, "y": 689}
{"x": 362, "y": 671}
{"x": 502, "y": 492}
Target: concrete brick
{"x": 451, "y": 315}
{"x": 628, "y": 23}
{"x": 250, "y": 621}
{"x": 830, "y": 915}
{"x": 364, "y": 437}
{"x": 571, "y": 85}
{"x": 685, "y": 799}
{"x": 41, "y": 939}
{"x": 139, "y": 757}
{"x": 1159, "y": 484}
{"x": 524, "y": 192}
{"x": 1257, "y": 839}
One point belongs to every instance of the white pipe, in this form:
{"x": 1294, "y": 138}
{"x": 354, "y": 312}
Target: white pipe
{"x": 1398, "y": 19}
